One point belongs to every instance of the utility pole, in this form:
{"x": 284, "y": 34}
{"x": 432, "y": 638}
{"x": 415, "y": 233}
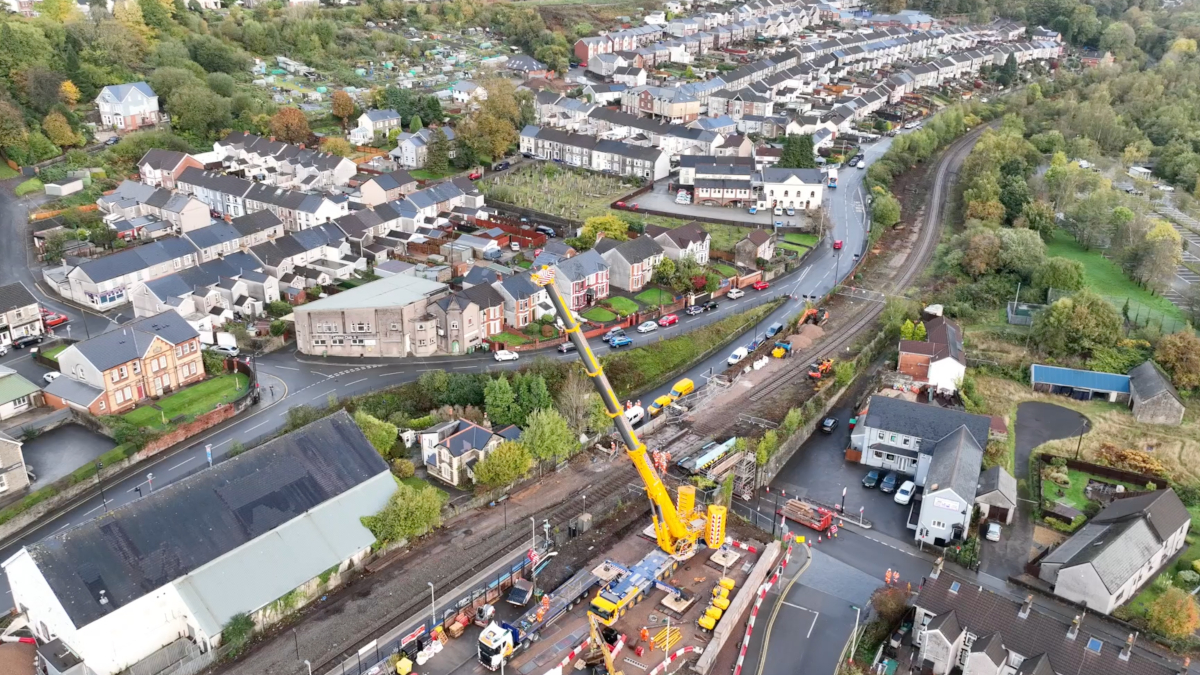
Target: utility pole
{"x": 533, "y": 553}
{"x": 432, "y": 609}
{"x": 100, "y": 483}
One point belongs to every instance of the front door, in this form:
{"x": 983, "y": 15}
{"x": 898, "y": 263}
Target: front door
{"x": 454, "y": 347}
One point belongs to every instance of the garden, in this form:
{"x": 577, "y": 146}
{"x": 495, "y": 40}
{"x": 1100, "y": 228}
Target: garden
{"x": 1070, "y": 496}
{"x": 798, "y": 242}
{"x": 190, "y": 402}
{"x": 655, "y": 297}
{"x": 558, "y": 191}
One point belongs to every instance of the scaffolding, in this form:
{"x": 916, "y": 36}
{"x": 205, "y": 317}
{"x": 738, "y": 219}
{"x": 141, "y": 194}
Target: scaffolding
{"x": 744, "y": 475}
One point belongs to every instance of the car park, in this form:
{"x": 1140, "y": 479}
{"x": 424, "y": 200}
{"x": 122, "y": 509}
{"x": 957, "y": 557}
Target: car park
{"x": 647, "y": 327}
{"x": 791, "y": 211}
{"x": 668, "y": 320}
{"x": 27, "y": 341}
{"x": 693, "y": 310}
{"x": 566, "y": 347}
{"x": 779, "y": 210}
{"x": 224, "y": 350}
{"x": 905, "y": 492}
{"x": 761, "y": 285}
{"x": 828, "y": 425}
{"x": 620, "y": 341}
{"x": 735, "y": 293}
{"x": 888, "y": 484}
{"x": 871, "y": 479}
{"x": 711, "y": 306}
{"x": 505, "y": 355}
{"x": 51, "y": 376}
{"x": 993, "y": 532}
{"x": 737, "y": 356}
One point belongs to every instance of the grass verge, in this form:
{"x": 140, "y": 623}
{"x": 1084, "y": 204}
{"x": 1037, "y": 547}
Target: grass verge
{"x": 7, "y": 171}
{"x": 809, "y": 240}
{"x": 194, "y": 400}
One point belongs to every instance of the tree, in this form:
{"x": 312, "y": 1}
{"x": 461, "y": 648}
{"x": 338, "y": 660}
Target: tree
{"x": 1014, "y": 195}
{"x": 12, "y": 126}
{"x": 548, "y": 436}
{"x": 1059, "y": 273}
{"x": 155, "y": 14}
{"x": 487, "y": 133}
{"x": 574, "y": 399}
{"x": 797, "y": 153}
{"x": 290, "y": 125}
{"x": 68, "y": 93}
{"x": 214, "y": 364}
{"x": 907, "y": 329}
{"x": 56, "y": 10}
{"x": 890, "y": 602}
{"x": 343, "y": 106}
{"x": 981, "y": 251}
{"x": 1161, "y": 254}
{"x": 532, "y": 395}
{"x": 664, "y": 272}
{"x": 505, "y": 465}
{"x": 1039, "y": 217}
{"x": 220, "y": 83}
{"x": 409, "y": 513}
{"x": 414, "y": 125}
{"x": 438, "y": 158}
{"x": 59, "y": 131}
{"x": 885, "y": 210}
{"x": 767, "y": 445}
{"x": 919, "y": 333}
{"x": 197, "y": 111}
{"x": 1008, "y": 72}
{"x": 1021, "y": 251}
{"x": 1179, "y": 355}
{"x": 500, "y": 402}
{"x": 612, "y": 227}
{"x": 1174, "y": 614}
{"x": 338, "y": 146}
{"x": 382, "y": 435}
{"x": 1077, "y": 324}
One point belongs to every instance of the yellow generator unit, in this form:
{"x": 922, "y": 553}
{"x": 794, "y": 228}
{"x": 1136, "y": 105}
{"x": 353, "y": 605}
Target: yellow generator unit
{"x": 721, "y": 603}
{"x": 714, "y": 536}
{"x": 719, "y": 592}
{"x": 714, "y": 612}
{"x": 726, "y": 583}
{"x": 706, "y": 622}
{"x": 686, "y": 497}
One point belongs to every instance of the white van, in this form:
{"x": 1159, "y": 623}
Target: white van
{"x": 737, "y": 355}
{"x": 635, "y": 414}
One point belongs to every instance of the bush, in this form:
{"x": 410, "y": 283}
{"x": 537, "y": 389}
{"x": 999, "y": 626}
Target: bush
{"x": 547, "y": 331}
{"x": 381, "y": 434}
{"x": 1174, "y": 614}
{"x": 1195, "y": 565}
{"x": 278, "y": 328}
{"x": 237, "y": 632}
{"x": 403, "y": 468}
{"x": 1187, "y": 579}
{"x": 409, "y": 513}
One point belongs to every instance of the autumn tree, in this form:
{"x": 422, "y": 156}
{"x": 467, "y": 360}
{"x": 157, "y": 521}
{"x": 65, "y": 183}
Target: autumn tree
{"x": 1174, "y": 614}
{"x": 1179, "y": 355}
{"x": 290, "y": 125}
{"x": 12, "y": 125}
{"x": 337, "y": 146}
{"x": 505, "y": 465}
{"x": 574, "y": 399}
{"x": 890, "y": 602}
{"x": 610, "y": 226}
{"x": 1161, "y": 254}
{"x": 68, "y": 93}
{"x": 343, "y": 106}
{"x": 1077, "y": 324}
{"x": 59, "y": 130}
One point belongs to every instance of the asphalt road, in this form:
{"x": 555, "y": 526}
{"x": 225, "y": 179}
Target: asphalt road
{"x": 289, "y": 379}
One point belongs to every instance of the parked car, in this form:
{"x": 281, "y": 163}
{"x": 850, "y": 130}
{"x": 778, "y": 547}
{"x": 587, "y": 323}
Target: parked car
{"x": 616, "y": 332}
{"x": 51, "y": 376}
{"x": 3, "y": 350}
{"x": 566, "y": 347}
{"x": 635, "y": 414}
{"x": 735, "y": 293}
{"x": 778, "y": 210}
{"x": 475, "y": 175}
{"x": 828, "y": 425}
{"x": 505, "y": 355}
{"x": 648, "y": 327}
{"x": 27, "y": 341}
{"x": 753, "y": 210}
{"x": 658, "y": 405}
{"x": 113, "y": 140}
{"x": 761, "y": 285}
{"x": 668, "y": 320}
{"x": 223, "y": 350}
{"x": 871, "y": 479}
{"x": 904, "y": 494}
{"x": 54, "y": 319}
{"x": 693, "y": 310}
{"x": 862, "y": 164}
{"x": 888, "y": 484}
{"x": 993, "y": 532}
{"x": 774, "y": 329}
{"x": 500, "y": 166}
{"x": 737, "y": 356}
{"x": 711, "y": 306}
{"x": 837, "y": 244}
{"x": 620, "y": 341}
{"x": 514, "y": 245}
{"x": 545, "y": 229}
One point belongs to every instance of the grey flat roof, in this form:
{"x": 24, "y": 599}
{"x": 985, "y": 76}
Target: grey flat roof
{"x": 394, "y": 291}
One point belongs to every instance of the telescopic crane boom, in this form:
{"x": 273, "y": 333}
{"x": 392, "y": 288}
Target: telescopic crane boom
{"x": 675, "y": 536}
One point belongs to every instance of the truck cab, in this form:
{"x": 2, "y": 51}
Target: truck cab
{"x": 496, "y": 644}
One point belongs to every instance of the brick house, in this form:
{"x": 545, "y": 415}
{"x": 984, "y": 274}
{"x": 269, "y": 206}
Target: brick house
{"x": 758, "y": 245}
{"x": 582, "y": 280}
{"x": 161, "y": 168}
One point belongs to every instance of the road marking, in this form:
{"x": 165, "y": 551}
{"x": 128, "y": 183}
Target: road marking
{"x": 283, "y": 367}
{"x": 389, "y": 374}
{"x": 256, "y": 426}
{"x": 355, "y": 382}
{"x": 181, "y": 463}
{"x": 815, "y": 613}
{"x": 63, "y": 527}
{"x": 331, "y": 391}
{"x": 462, "y": 367}
{"x": 107, "y": 501}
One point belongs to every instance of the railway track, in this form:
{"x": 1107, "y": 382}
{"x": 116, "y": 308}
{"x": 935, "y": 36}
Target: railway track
{"x": 926, "y": 244}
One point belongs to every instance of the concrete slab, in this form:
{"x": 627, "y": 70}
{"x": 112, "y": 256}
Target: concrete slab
{"x": 61, "y": 451}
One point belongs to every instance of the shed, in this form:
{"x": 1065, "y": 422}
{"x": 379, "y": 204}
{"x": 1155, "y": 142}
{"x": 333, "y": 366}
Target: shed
{"x": 1154, "y": 399}
{"x": 66, "y": 186}
{"x": 997, "y": 495}
{"x": 1082, "y": 385}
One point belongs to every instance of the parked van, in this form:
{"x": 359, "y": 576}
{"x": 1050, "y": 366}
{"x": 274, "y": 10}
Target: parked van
{"x": 774, "y": 329}
{"x": 660, "y": 403}
{"x": 682, "y": 388}
{"x": 635, "y": 414}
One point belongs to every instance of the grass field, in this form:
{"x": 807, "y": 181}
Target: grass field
{"x": 425, "y": 174}
{"x": 724, "y": 270}
{"x": 599, "y": 315}
{"x": 510, "y": 338}
{"x": 555, "y": 190}
{"x": 622, "y": 306}
{"x": 53, "y": 352}
{"x": 1106, "y": 278}
{"x": 194, "y": 400}
{"x": 654, "y": 297}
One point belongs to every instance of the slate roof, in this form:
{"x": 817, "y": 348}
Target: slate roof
{"x": 993, "y": 646}
{"x": 955, "y": 465}
{"x": 638, "y": 249}
{"x": 927, "y": 422}
{"x": 15, "y": 295}
{"x": 120, "y": 91}
{"x": 524, "y": 63}
{"x": 393, "y": 181}
{"x": 382, "y": 115}
{"x": 482, "y": 295}
{"x": 141, "y": 546}
{"x": 682, "y": 236}
{"x": 1079, "y": 379}
{"x": 131, "y": 340}
{"x": 219, "y": 232}
{"x": 253, "y": 223}
{"x": 946, "y": 623}
{"x": 136, "y": 259}
{"x": 1147, "y": 381}
{"x": 807, "y": 176}
{"x": 469, "y": 436}
{"x": 999, "y": 481}
{"x": 581, "y": 266}
{"x": 77, "y": 392}
{"x": 160, "y": 159}
{"x": 983, "y": 612}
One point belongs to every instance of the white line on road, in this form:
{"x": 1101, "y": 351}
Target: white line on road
{"x": 256, "y": 426}
{"x": 181, "y": 463}
{"x": 462, "y": 367}
{"x": 814, "y": 612}
{"x": 356, "y": 382}
{"x": 389, "y": 374}
{"x": 64, "y": 527}
{"x": 107, "y": 501}
{"x": 331, "y": 391}
{"x": 284, "y": 368}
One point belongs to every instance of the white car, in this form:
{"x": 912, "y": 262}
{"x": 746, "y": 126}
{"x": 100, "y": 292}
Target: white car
{"x": 223, "y": 350}
{"x": 779, "y": 210}
{"x": 735, "y": 293}
{"x": 993, "y": 532}
{"x": 3, "y": 350}
{"x": 862, "y": 163}
{"x": 737, "y": 356}
{"x": 904, "y": 494}
{"x": 51, "y": 376}
{"x": 505, "y": 355}
{"x": 648, "y": 327}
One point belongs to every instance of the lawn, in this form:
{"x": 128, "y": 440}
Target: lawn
{"x": 510, "y": 338}
{"x": 655, "y": 297}
{"x": 192, "y": 401}
{"x": 53, "y": 352}
{"x": 599, "y": 315}
{"x": 809, "y": 240}
{"x": 1074, "y": 495}
{"x": 622, "y": 306}
{"x": 525, "y": 264}
{"x": 724, "y": 270}
{"x": 29, "y": 186}
{"x": 1106, "y": 278}
{"x": 7, "y": 171}
{"x": 425, "y": 174}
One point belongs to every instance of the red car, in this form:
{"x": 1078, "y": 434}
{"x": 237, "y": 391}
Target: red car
{"x": 54, "y": 319}
{"x": 668, "y": 320}
{"x": 837, "y": 244}
{"x": 761, "y": 285}
{"x": 475, "y": 175}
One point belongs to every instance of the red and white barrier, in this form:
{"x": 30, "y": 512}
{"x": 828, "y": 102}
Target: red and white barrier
{"x": 744, "y": 547}
{"x": 662, "y": 666}
{"x": 762, "y": 594}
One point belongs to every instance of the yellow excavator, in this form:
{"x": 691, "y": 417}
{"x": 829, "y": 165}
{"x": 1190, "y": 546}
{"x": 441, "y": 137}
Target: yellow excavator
{"x": 678, "y": 527}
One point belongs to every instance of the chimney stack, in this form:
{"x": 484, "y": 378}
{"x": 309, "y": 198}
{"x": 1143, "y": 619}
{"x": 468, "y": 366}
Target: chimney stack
{"x": 1073, "y": 631}
{"x": 937, "y": 568}
{"x": 1025, "y": 607}
{"x": 1125, "y": 651}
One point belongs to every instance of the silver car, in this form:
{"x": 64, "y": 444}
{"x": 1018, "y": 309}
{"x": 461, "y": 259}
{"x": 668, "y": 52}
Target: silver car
{"x": 993, "y": 532}
{"x": 648, "y": 327}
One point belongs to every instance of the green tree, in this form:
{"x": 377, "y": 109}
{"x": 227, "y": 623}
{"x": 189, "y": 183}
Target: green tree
{"x": 12, "y": 126}
{"x": 885, "y": 210}
{"x": 1077, "y": 324}
{"x": 767, "y": 445}
{"x": 1161, "y": 254}
{"x": 1059, "y": 273}
{"x": 548, "y": 436}
{"x": 382, "y": 435}
{"x": 1021, "y": 251}
{"x": 59, "y": 130}
{"x": 907, "y": 329}
{"x": 438, "y": 158}
{"x": 919, "y": 333}
{"x": 1038, "y": 216}
{"x": 337, "y": 146}
{"x": 505, "y": 465}
{"x": 1014, "y": 195}
{"x": 613, "y": 227}
{"x": 410, "y": 512}
{"x": 664, "y": 273}
{"x": 1008, "y": 72}
{"x": 532, "y": 394}
{"x": 797, "y": 152}
{"x": 500, "y": 402}
{"x": 214, "y": 364}
{"x": 197, "y": 111}
{"x": 221, "y": 83}
{"x": 415, "y": 125}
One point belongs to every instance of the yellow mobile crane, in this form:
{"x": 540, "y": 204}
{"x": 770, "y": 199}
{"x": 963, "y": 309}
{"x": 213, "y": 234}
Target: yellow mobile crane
{"x": 678, "y": 527}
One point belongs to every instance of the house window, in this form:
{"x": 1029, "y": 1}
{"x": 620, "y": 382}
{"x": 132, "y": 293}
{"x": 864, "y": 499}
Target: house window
{"x": 356, "y": 341}
{"x": 3, "y": 483}
{"x": 137, "y": 367}
{"x": 178, "y": 352}
{"x": 102, "y": 405}
{"x": 339, "y": 341}
{"x": 124, "y": 372}
{"x": 115, "y": 376}
{"x": 893, "y": 438}
{"x": 906, "y": 440}
{"x": 20, "y": 402}
{"x": 395, "y": 326}
{"x": 937, "y": 525}
{"x": 153, "y": 366}
{"x": 890, "y": 457}
{"x": 881, "y": 435}
{"x": 453, "y": 325}
{"x": 318, "y": 341}
{"x": 162, "y": 361}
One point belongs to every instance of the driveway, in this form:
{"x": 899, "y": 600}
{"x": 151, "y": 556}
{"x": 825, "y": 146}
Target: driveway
{"x": 1037, "y": 423}
{"x": 60, "y": 451}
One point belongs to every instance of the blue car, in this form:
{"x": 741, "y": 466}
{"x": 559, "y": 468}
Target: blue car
{"x": 753, "y": 210}
{"x": 620, "y": 341}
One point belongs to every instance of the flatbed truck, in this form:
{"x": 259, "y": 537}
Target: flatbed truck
{"x": 807, "y": 514}
{"x": 500, "y": 640}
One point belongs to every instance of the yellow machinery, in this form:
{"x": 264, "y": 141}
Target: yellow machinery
{"x": 677, "y": 528}
{"x": 600, "y": 644}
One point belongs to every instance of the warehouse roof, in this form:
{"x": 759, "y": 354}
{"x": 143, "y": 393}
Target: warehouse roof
{"x": 1079, "y": 379}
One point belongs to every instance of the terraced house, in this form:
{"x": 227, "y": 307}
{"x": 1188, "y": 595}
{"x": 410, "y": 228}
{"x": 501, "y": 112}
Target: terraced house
{"x": 19, "y": 314}
{"x": 104, "y": 283}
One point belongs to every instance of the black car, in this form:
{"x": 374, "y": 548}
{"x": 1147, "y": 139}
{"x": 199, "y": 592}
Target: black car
{"x": 546, "y": 230}
{"x": 613, "y": 333}
{"x": 113, "y": 140}
{"x": 710, "y": 305}
{"x": 828, "y": 425}
{"x": 889, "y": 482}
{"x": 500, "y": 166}
{"x": 693, "y": 310}
{"x": 871, "y": 479}
{"x": 566, "y": 347}
{"x": 28, "y": 340}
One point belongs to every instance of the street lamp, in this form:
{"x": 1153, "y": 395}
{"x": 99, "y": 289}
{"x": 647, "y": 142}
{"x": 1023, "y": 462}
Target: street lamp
{"x": 150, "y": 482}
{"x": 308, "y": 665}
{"x": 100, "y": 482}
{"x": 432, "y": 608}
{"x": 854, "y": 642}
